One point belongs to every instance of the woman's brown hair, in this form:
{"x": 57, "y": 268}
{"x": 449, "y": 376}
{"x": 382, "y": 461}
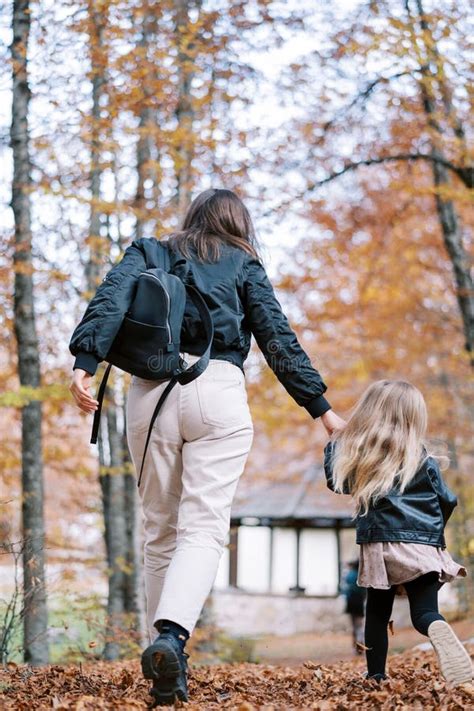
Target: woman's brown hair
{"x": 214, "y": 218}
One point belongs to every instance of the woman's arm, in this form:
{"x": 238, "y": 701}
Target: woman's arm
{"x": 280, "y": 347}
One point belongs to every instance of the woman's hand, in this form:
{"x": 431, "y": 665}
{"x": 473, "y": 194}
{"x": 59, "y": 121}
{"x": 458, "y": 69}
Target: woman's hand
{"x": 79, "y": 387}
{"x": 332, "y": 422}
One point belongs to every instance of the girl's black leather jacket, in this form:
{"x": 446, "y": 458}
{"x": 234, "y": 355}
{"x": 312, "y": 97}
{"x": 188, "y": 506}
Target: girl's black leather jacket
{"x": 419, "y": 515}
{"x": 241, "y": 300}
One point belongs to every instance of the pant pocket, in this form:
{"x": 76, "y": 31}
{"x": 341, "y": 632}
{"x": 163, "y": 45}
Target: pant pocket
{"x": 223, "y": 400}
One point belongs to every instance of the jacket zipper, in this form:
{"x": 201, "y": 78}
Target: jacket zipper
{"x": 152, "y": 276}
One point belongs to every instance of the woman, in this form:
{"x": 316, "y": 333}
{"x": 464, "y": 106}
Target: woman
{"x": 203, "y": 435}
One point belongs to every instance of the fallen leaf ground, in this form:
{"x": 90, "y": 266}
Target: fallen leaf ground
{"x": 331, "y": 648}
{"x": 414, "y": 684}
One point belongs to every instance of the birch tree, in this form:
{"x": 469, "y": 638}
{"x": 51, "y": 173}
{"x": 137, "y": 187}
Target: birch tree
{"x": 35, "y": 614}
{"x": 118, "y": 501}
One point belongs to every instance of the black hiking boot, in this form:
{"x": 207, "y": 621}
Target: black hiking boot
{"x": 166, "y": 664}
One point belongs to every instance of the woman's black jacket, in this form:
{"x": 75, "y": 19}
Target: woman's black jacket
{"x": 419, "y": 515}
{"x": 241, "y": 300}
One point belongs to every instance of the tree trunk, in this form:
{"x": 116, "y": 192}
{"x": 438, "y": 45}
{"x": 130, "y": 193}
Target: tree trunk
{"x": 146, "y": 153}
{"x": 94, "y": 267}
{"x": 35, "y": 613}
{"x": 110, "y": 450}
{"x": 184, "y": 108}
{"x": 146, "y": 144}
{"x": 144, "y": 156}
{"x": 115, "y": 536}
{"x": 134, "y": 595}
{"x": 449, "y": 220}
{"x": 453, "y": 240}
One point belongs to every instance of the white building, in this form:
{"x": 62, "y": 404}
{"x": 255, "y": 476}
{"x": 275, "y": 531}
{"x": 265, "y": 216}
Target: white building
{"x": 281, "y": 570}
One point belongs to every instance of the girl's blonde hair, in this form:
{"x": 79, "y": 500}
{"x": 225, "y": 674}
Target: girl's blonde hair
{"x": 382, "y": 443}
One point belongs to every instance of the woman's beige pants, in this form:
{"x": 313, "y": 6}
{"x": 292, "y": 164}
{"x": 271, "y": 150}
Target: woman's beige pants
{"x": 197, "y": 452}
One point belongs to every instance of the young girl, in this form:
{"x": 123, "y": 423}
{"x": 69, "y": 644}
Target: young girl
{"x": 402, "y": 508}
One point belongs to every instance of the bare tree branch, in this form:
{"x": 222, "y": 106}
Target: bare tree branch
{"x": 362, "y": 96}
{"x": 466, "y": 175}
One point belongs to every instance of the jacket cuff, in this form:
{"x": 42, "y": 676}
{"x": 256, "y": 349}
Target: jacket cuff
{"x": 86, "y": 361}
{"x": 318, "y": 406}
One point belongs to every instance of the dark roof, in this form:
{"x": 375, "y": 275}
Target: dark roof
{"x": 298, "y": 498}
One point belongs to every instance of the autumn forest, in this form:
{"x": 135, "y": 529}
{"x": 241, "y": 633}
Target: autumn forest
{"x": 345, "y": 127}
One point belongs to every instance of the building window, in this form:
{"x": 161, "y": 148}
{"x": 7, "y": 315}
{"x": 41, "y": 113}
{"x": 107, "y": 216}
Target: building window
{"x": 253, "y": 558}
{"x": 283, "y": 560}
{"x": 280, "y": 560}
{"x": 319, "y": 565}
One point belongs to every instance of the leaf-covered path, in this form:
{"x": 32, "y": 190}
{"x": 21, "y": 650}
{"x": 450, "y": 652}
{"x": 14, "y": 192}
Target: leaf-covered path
{"x": 415, "y": 684}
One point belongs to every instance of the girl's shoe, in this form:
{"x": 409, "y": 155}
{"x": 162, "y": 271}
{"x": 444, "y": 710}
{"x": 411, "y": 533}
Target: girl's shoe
{"x": 454, "y": 661}
{"x": 375, "y": 677}
{"x": 166, "y": 664}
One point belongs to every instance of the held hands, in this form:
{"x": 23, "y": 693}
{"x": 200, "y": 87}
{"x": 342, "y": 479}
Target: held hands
{"x": 332, "y": 422}
{"x": 79, "y": 387}
{"x": 81, "y": 382}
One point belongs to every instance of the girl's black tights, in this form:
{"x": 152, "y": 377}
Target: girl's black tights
{"x": 423, "y": 598}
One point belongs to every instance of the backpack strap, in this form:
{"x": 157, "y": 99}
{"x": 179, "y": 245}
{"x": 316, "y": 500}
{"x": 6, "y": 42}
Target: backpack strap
{"x": 156, "y": 254}
{"x": 191, "y": 373}
{"x": 164, "y": 261}
{"x": 156, "y": 412}
{"x": 188, "y": 375}
{"x": 100, "y": 398}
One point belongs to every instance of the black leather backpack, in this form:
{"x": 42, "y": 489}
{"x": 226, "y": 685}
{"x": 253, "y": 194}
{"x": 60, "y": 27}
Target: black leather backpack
{"x": 148, "y": 341}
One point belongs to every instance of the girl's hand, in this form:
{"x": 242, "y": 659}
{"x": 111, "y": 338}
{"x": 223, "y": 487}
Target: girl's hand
{"x": 79, "y": 387}
{"x": 332, "y": 422}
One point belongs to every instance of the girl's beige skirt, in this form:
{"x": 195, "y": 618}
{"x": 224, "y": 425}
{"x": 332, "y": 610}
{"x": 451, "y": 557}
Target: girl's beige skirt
{"x": 383, "y": 565}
